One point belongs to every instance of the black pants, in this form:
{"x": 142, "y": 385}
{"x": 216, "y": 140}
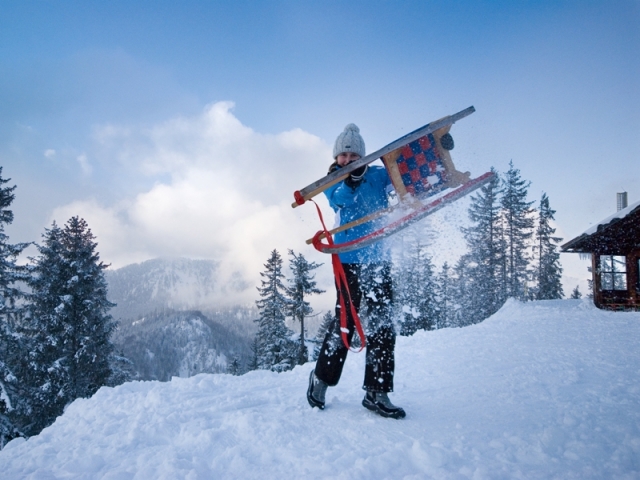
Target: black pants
{"x": 371, "y": 283}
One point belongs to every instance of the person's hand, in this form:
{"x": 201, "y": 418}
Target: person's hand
{"x": 446, "y": 141}
{"x": 356, "y": 177}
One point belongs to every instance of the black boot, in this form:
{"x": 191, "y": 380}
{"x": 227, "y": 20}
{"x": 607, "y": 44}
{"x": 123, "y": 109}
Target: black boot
{"x": 316, "y": 391}
{"x": 379, "y": 403}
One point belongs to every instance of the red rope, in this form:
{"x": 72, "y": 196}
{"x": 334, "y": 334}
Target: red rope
{"x": 343, "y": 288}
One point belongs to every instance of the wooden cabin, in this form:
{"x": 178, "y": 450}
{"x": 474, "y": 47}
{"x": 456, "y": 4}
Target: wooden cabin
{"x": 614, "y": 246}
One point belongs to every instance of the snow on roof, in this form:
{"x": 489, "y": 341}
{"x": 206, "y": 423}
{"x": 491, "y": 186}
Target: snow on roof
{"x": 616, "y": 216}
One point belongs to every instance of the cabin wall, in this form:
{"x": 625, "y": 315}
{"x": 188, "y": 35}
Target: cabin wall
{"x": 628, "y": 299}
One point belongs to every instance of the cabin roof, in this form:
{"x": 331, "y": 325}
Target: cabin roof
{"x": 616, "y": 234}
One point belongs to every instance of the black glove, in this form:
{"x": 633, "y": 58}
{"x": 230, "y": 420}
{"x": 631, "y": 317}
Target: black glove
{"x": 446, "y": 141}
{"x": 356, "y": 177}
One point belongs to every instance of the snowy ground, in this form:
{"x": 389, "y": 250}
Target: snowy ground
{"x": 539, "y": 390}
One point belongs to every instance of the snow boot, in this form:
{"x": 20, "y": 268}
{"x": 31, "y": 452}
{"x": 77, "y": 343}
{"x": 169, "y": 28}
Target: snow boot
{"x": 316, "y": 391}
{"x": 379, "y": 403}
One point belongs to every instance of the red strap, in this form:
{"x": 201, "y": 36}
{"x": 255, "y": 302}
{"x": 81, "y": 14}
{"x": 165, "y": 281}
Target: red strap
{"x": 343, "y": 288}
{"x": 298, "y": 197}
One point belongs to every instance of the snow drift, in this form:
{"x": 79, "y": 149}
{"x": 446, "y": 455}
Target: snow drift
{"x": 539, "y": 390}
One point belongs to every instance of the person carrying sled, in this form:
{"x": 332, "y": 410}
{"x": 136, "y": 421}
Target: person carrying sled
{"x": 368, "y": 274}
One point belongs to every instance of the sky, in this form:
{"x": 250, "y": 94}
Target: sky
{"x": 549, "y": 394}
{"x": 183, "y": 128}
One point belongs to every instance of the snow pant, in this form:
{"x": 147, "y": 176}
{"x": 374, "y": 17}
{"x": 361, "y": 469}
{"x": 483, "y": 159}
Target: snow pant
{"x": 371, "y": 283}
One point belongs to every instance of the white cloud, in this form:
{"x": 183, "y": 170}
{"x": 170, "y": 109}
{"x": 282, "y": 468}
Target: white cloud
{"x": 226, "y": 194}
{"x": 84, "y": 164}
{"x": 49, "y": 153}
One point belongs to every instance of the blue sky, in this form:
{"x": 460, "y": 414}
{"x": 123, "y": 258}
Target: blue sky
{"x": 111, "y": 110}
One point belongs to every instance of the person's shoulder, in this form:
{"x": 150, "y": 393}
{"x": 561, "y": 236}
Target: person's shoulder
{"x": 377, "y": 168}
{"x": 377, "y": 171}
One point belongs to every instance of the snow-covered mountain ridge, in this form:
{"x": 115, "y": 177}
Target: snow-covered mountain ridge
{"x": 160, "y": 283}
{"x": 172, "y": 321}
{"x": 539, "y": 390}
{"x": 182, "y": 344}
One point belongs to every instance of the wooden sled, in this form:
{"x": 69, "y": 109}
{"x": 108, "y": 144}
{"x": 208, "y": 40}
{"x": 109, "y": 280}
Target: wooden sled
{"x": 310, "y": 191}
{"x": 419, "y": 168}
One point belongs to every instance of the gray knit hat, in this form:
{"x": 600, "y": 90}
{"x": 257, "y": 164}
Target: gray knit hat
{"x": 349, "y": 141}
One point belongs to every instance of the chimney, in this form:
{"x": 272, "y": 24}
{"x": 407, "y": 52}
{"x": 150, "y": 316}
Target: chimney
{"x": 622, "y": 200}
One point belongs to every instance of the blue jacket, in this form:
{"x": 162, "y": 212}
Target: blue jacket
{"x": 353, "y": 203}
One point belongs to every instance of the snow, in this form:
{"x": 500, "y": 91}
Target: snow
{"x": 616, "y": 216}
{"x": 539, "y": 390}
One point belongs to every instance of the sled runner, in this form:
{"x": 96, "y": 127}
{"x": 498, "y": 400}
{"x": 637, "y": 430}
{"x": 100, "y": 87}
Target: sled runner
{"x": 419, "y": 168}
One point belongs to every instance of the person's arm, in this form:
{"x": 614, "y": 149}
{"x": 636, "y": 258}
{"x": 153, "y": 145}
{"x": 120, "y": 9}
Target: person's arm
{"x": 341, "y": 195}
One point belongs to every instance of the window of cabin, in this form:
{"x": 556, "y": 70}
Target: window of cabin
{"x": 613, "y": 272}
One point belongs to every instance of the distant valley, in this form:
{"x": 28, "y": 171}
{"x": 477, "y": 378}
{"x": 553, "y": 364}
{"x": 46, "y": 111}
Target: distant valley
{"x": 169, "y": 324}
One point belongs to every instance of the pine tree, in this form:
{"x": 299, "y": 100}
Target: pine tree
{"x": 276, "y": 350}
{"x": 415, "y": 289}
{"x": 576, "y": 294}
{"x": 253, "y": 361}
{"x": 590, "y": 288}
{"x": 234, "y": 367}
{"x": 300, "y": 286}
{"x": 486, "y": 256}
{"x": 122, "y": 370}
{"x": 443, "y": 295}
{"x": 69, "y": 319}
{"x": 549, "y": 272}
{"x": 463, "y": 306}
{"x": 518, "y": 229}
{"x": 318, "y": 340}
{"x": 15, "y": 403}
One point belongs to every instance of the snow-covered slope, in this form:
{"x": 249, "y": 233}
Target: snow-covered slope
{"x": 539, "y": 390}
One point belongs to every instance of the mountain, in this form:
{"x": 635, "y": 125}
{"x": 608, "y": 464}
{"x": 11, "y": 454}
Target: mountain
{"x": 170, "y": 321}
{"x": 175, "y": 283}
{"x": 540, "y": 390}
{"x": 181, "y": 344}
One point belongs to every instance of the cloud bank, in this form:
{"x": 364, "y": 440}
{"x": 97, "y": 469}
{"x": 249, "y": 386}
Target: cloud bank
{"x": 219, "y": 191}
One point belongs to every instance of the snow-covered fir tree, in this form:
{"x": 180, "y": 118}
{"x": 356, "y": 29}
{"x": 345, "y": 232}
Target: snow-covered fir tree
{"x": 576, "y": 293}
{"x": 49, "y": 379}
{"x": 254, "y": 358}
{"x": 486, "y": 256}
{"x": 414, "y": 290}
{"x": 463, "y": 304}
{"x": 549, "y": 271}
{"x": 327, "y": 320}
{"x": 276, "y": 350}
{"x": 301, "y": 285}
{"x": 518, "y": 230}
{"x": 122, "y": 370}
{"x": 590, "y": 288}
{"x": 15, "y": 391}
{"x": 15, "y": 395}
{"x": 444, "y": 304}
{"x": 69, "y": 321}
{"x": 234, "y": 367}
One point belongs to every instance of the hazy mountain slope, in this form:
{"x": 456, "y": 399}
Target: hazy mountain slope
{"x": 170, "y": 322}
{"x": 176, "y": 283}
{"x": 182, "y": 344}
